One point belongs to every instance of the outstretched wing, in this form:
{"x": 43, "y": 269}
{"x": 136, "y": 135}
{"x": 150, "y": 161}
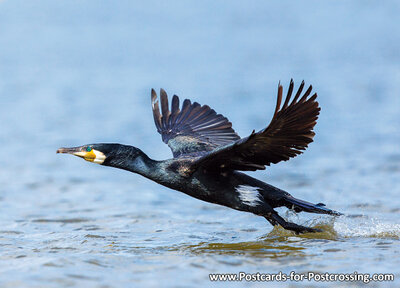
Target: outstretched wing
{"x": 288, "y": 134}
{"x": 193, "y": 129}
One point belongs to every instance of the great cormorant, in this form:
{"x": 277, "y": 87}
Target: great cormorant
{"x": 208, "y": 155}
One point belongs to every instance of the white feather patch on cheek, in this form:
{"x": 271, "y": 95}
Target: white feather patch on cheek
{"x": 100, "y": 157}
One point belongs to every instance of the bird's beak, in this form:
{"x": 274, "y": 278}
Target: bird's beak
{"x": 91, "y": 156}
{"x": 77, "y": 151}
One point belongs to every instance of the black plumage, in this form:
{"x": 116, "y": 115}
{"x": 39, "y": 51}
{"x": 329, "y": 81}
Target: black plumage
{"x": 193, "y": 129}
{"x": 289, "y": 132}
{"x": 208, "y": 154}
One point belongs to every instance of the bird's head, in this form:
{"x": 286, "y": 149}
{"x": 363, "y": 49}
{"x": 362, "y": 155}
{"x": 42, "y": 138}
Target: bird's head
{"x": 114, "y": 155}
{"x": 96, "y": 153}
{"x": 104, "y": 153}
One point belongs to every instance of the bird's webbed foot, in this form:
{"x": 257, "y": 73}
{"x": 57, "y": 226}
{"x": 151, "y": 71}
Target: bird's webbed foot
{"x": 275, "y": 219}
{"x": 299, "y": 229}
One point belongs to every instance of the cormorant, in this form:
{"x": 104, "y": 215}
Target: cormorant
{"x": 208, "y": 155}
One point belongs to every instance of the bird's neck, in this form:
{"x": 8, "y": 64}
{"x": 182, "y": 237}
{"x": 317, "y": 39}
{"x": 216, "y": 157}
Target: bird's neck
{"x": 140, "y": 164}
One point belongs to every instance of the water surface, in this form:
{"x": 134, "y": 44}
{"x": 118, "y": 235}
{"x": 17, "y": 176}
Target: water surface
{"x": 78, "y": 72}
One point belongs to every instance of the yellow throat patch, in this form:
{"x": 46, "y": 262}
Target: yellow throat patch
{"x": 94, "y": 156}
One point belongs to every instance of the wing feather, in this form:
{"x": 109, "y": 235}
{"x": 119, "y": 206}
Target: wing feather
{"x": 192, "y": 130}
{"x": 288, "y": 135}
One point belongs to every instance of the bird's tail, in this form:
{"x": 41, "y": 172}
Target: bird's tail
{"x": 301, "y": 205}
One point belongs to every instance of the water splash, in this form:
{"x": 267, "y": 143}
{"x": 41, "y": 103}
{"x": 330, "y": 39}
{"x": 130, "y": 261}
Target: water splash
{"x": 346, "y": 226}
{"x": 366, "y": 227}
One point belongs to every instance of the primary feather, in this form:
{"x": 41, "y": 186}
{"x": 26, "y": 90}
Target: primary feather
{"x": 288, "y": 134}
{"x": 192, "y": 130}
{"x": 208, "y": 138}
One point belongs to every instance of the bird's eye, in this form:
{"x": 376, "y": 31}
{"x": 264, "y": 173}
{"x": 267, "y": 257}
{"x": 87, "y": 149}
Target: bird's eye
{"x": 88, "y": 149}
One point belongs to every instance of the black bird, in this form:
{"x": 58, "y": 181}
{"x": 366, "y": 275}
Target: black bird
{"x": 208, "y": 155}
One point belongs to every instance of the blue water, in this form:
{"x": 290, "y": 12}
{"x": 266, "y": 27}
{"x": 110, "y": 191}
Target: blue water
{"x": 78, "y": 72}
